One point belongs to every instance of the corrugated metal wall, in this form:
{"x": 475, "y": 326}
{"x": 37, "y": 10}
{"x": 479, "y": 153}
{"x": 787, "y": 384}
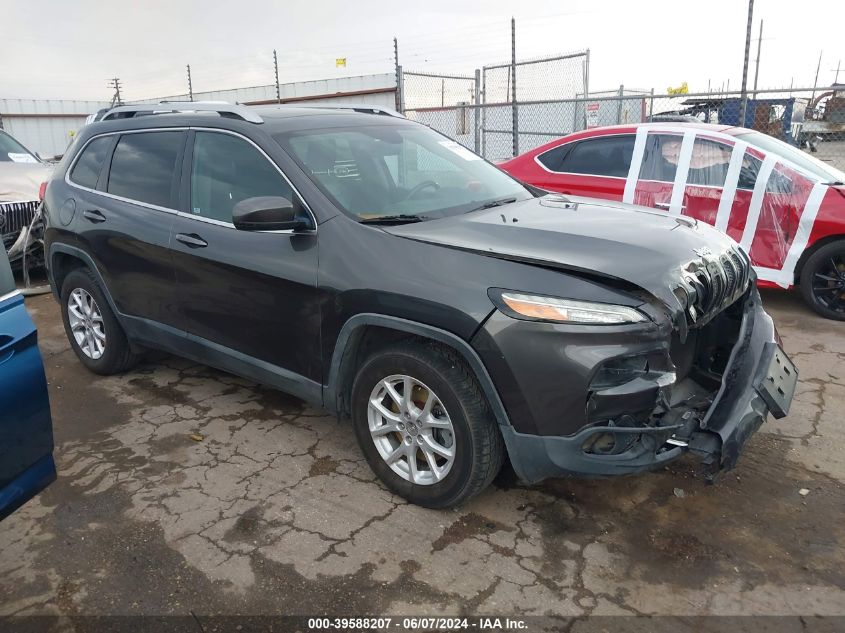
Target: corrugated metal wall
{"x": 48, "y": 126}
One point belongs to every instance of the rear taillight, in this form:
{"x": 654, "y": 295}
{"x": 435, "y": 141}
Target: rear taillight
{"x": 42, "y": 190}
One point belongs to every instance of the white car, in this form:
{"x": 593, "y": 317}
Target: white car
{"x": 21, "y": 175}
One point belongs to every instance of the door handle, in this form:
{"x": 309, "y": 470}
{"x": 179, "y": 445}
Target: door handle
{"x": 94, "y": 215}
{"x": 191, "y": 240}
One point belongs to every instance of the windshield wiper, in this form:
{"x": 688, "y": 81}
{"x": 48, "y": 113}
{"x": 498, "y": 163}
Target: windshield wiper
{"x": 834, "y": 183}
{"x": 394, "y": 219}
{"x": 493, "y": 203}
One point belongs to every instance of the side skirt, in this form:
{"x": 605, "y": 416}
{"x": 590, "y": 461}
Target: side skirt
{"x": 163, "y": 337}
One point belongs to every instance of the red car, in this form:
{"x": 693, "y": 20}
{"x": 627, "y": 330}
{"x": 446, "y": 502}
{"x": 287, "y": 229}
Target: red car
{"x": 783, "y": 206}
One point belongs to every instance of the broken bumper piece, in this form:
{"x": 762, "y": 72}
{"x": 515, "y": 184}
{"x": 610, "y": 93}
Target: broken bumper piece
{"x": 758, "y": 379}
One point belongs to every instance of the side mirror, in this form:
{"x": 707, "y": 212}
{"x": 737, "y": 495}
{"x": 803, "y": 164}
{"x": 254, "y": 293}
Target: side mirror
{"x": 48, "y": 159}
{"x": 267, "y": 213}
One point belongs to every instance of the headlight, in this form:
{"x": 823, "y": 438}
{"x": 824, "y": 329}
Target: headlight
{"x": 569, "y": 310}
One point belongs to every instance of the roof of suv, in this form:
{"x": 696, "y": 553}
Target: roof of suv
{"x": 272, "y": 119}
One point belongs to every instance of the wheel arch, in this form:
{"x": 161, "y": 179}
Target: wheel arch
{"x": 64, "y": 259}
{"x": 808, "y": 252}
{"x": 363, "y": 333}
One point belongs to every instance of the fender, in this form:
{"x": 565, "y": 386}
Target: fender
{"x": 354, "y": 326}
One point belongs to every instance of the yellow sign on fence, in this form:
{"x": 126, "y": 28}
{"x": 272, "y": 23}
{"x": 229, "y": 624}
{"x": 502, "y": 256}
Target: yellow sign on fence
{"x": 340, "y": 61}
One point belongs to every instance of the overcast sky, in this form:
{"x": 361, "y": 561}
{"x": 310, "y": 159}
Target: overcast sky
{"x": 68, "y": 49}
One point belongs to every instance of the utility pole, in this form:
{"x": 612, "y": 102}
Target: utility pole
{"x": 743, "y": 104}
{"x": 838, "y": 64}
{"x": 515, "y": 122}
{"x": 757, "y": 67}
{"x": 816, "y": 80}
{"x": 276, "y": 70}
{"x": 190, "y": 85}
{"x": 115, "y": 84}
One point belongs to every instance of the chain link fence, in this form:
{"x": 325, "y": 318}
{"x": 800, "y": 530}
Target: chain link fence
{"x": 482, "y": 110}
{"x": 553, "y": 99}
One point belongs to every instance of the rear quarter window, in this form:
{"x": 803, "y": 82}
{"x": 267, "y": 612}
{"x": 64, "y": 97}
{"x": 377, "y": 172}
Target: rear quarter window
{"x": 601, "y": 156}
{"x": 87, "y": 169}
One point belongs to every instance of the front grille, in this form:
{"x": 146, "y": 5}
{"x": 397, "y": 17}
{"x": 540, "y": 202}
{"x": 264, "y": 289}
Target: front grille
{"x": 713, "y": 283}
{"x": 14, "y": 216}
{"x": 731, "y": 276}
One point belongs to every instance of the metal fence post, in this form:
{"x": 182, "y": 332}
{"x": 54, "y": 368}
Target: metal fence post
{"x": 651, "y": 105}
{"x": 587, "y": 75}
{"x": 619, "y": 105}
{"x": 484, "y": 111}
{"x": 514, "y": 111}
{"x": 400, "y": 89}
{"x": 477, "y": 111}
{"x": 396, "y": 69}
{"x": 276, "y": 70}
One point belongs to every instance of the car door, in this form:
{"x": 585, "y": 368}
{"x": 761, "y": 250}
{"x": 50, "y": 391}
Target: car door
{"x": 26, "y": 430}
{"x": 658, "y": 172}
{"x": 593, "y": 167}
{"x": 124, "y": 216}
{"x": 787, "y": 192}
{"x": 249, "y": 298}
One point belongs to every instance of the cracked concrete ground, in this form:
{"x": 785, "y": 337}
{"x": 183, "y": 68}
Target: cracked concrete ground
{"x": 275, "y": 511}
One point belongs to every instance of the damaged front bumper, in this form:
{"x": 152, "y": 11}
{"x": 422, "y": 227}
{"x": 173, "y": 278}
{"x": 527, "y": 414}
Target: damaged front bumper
{"x": 712, "y": 423}
{"x": 21, "y": 229}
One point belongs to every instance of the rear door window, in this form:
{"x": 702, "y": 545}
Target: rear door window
{"x": 602, "y": 156}
{"x": 88, "y": 166}
{"x": 144, "y": 166}
{"x": 660, "y": 160}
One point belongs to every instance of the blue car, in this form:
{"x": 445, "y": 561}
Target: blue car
{"x": 26, "y": 428}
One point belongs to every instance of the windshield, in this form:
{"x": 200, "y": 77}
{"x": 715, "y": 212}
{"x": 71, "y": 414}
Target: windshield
{"x": 398, "y": 172}
{"x": 828, "y": 173}
{"x": 14, "y": 152}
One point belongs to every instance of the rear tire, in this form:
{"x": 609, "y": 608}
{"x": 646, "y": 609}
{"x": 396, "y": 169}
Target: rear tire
{"x": 822, "y": 281}
{"x": 96, "y": 336}
{"x": 459, "y": 423}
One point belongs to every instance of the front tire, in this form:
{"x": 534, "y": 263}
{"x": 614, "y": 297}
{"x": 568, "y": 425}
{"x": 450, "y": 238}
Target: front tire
{"x": 424, "y": 425}
{"x": 823, "y": 281}
{"x": 94, "y": 332}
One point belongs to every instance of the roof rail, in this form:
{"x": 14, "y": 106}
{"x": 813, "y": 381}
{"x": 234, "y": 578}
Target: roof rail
{"x": 171, "y": 107}
{"x": 364, "y": 108}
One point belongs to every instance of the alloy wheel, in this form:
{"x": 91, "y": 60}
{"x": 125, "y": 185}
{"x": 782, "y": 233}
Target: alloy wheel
{"x": 411, "y": 429}
{"x": 829, "y": 283}
{"x": 86, "y": 323}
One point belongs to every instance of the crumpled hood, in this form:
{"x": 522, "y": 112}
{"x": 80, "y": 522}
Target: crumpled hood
{"x": 634, "y": 244}
{"x": 19, "y": 182}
